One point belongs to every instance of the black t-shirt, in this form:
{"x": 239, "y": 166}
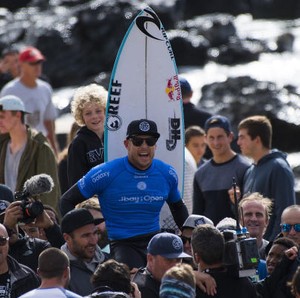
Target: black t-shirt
{"x": 5, "y": 287}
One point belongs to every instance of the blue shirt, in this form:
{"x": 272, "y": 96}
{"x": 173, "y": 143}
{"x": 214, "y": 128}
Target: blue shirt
{"x": 131, "y": 199}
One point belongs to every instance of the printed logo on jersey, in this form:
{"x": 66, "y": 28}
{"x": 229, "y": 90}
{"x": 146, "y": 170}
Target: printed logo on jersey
{"x": 173, "y": 88}
{"x": 99, "y": 175}
{"x": 141, "y": 199}
{"x": 141, "y": 185}
{"x": 113, "y": 120}
{"x": 142, "y": 23}
{"x": 174, "y": 133}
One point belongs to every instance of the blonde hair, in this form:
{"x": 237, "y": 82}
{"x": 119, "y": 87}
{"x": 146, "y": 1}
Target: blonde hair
{"x": 91, "y": 203}
{"x": 92, "y": 93}
{"x": 257, "y": 197}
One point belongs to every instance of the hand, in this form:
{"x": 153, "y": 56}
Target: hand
{"x": 136, "y": 293}
{"x": 206, "y": 283}
{"x": 231, "y": 194}
{"x": 12, "y": 214}
{"x": 43, "y": 221}
{"x": 292, "y": 253}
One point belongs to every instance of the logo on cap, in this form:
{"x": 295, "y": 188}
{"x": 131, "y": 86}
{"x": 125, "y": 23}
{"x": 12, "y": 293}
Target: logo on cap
{"x": 144, "y": 126}
{"x": 176, "y": 244}
{"x": 199, "y": 221}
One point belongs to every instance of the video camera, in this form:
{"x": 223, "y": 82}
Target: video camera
{"x": 34, "y": 186}
{"x": 241, "y": 255}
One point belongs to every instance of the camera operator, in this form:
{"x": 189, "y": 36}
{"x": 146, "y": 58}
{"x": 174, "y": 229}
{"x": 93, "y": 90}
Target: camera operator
{"x": 208, "y": 249}
{"x": 23, "y": 248}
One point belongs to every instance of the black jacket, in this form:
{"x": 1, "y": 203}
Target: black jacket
{"x": 27, "y": 250}
{"x": 23, "y": 279}
{"x": 229, "y": 286}
{"x": 148, "y": 286}
{"x": 85, "y": 152}
{"x": 275, "y": 285}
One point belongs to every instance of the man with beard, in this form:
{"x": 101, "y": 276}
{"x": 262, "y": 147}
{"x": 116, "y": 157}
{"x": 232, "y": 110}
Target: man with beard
{"x": 80, "y": 233}
{"x": 93, "y": 206}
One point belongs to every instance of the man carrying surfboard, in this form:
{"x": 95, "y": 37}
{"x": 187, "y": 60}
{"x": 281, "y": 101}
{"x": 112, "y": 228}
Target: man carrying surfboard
{"x": 131, "y": 191}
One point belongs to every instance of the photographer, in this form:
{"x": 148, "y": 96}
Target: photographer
{"x": 22, "y": 247}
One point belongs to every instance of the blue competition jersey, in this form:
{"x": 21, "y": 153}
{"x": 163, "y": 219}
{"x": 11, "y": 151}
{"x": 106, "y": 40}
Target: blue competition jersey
{"x": 130, "y": 199}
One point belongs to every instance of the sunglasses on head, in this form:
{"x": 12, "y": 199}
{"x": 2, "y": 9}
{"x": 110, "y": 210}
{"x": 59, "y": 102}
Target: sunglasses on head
{"x": 287, "y": 227}
{"x": 138, "y": 141}
{"x": 3, "y": 240}
{"x": 185, "y": 239}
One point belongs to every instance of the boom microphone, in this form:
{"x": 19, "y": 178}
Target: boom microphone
{"x": 38, "y": 184}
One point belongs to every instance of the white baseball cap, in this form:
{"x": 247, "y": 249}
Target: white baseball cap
{"x": 195, "y": 220}
{"x": 11, "y": 103}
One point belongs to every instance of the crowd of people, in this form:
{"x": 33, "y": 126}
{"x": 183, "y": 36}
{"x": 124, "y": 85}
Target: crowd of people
{"x": 93, "y": 232}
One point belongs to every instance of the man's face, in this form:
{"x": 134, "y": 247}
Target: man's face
{"x": 197, "y": 147}
{"x": 274, "y": 256}
{"x": 291, "y": 217}
{"x": 11, "y": 64}
{"x": 247, "y": 145}
{"x": 158, "y": 265}
{"x": 218, "y": 141}
{"x": 3, "y": 248}
{"x": 83, "y": 241}
{"x": 8, "y": 121}
{"x": 32, "y": 69}
{"x": 186, "y": 239}
{"x": 255, "y": 218}
{"x": 101, "y": 228}
{"x": 140, "y": 156}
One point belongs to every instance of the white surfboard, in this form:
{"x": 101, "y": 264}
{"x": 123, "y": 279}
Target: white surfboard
{"x": 144, "y": 84}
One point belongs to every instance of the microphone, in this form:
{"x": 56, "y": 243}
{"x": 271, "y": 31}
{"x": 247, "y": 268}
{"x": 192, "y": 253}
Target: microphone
{"x": 38, "y": 184}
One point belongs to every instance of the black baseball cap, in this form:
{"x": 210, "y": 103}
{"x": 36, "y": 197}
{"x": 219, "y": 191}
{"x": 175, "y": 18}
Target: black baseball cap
{"x": 142, "y": 127}
{"x": 76, "y": 219}
{"x": 217, "y": 121}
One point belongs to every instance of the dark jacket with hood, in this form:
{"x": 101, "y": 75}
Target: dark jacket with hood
{"x": 85, "y": 152}
{"x": 273, "y": 178}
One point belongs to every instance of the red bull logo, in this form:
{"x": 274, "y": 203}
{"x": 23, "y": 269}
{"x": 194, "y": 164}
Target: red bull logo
{"x": 173, "y": 88}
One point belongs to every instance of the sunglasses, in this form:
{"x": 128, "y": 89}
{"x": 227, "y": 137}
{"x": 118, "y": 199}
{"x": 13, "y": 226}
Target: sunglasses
{"x": 287, "y": 227}
{"x": 3, "y": 240}
{"x": 185, "y": 239}
{"x": 137, "y": 141}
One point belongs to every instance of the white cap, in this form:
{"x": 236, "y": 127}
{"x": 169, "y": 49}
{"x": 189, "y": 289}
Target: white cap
{"x": 195, "y": 220}
{"x": 11, "y": 103}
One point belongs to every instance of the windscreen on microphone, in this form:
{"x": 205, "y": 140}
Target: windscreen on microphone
{"x": 38, "y": 184}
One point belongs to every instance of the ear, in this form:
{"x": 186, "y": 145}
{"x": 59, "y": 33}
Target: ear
{"x": 66, "y": 273}
{"x": 231, "y": 136}
{"x": 126, "y": 143}
{"x": 67, "y": 237}
{"x": 196, "y": 258}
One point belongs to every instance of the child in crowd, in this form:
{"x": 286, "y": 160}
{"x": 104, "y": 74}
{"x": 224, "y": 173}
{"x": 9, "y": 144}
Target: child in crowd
{"x": 87, "y": 149}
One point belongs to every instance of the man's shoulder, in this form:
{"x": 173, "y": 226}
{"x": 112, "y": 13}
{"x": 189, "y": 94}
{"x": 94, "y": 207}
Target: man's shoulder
{"x": 8, "y": 87}
{"x": 143, "y": 278}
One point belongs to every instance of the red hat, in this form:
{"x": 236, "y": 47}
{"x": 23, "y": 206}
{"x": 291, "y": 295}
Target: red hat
{"x": 31, "y": 54}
